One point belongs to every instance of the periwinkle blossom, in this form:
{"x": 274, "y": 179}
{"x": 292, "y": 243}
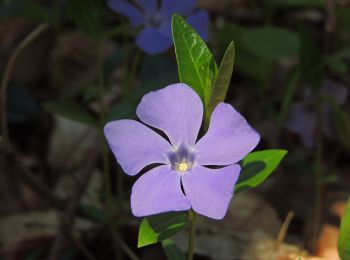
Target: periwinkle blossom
{"x": 302, "y": 115}
{"x": 156, "y": 35}
{"x": 181, "y": 179}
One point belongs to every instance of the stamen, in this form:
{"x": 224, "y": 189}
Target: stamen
{"x": 183, "y": 167}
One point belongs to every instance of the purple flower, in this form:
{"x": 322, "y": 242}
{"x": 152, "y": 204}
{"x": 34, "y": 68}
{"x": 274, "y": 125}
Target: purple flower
{"x": 302, "y": 117}
{"x": 156, "y": 35}
{"x": 183, "y": 179}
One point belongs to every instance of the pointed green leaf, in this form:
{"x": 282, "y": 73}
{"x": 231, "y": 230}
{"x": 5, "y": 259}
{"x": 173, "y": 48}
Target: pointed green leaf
{"x": 344, "y": 235}
{"x": 157, "y": 228}
{"x": 222, "y": 80}
{"x": 172, "y": 251}
{"x": 271, "y": 43}
{"x": 195, "y": 62}
{"x": 257, "y": 166}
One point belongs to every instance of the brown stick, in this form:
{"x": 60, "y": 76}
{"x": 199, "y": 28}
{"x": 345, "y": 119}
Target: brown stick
{"x": 6, "y": 77}
{"x": 68, "y": 217}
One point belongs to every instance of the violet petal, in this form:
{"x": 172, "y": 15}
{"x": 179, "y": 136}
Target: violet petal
{"x": 228, "y": 140}
{"x": 135, "y": 145}
{"x": 158, "y": 191}
{"x": 211, "y": 190}
{"x": 176, "y": 110}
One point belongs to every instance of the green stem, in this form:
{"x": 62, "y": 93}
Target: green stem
{"x": 109, "y": 206}
{"x": 192, "y": 234}
{"x": 318, "y": 175}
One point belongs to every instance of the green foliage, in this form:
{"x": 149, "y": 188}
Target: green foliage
{"x": 338, "y": 61}
{"x": 344, "y": 235}
{"x": 157, "y": 228}
{"x": 26, "y": 8}
{"x": 222, "y": 81}
{"x": 341, "y": 122}
{"x": 246, "y": 61}
{"x": 311, "y": 61}
{"x": 271, "y": 43}
{"x": 87, "y": 15}
{"x": 196, "y": 64}
{"x": 72, "y": 110}
{"x": 257, "y": 166}
{"x": 172, "y": 251}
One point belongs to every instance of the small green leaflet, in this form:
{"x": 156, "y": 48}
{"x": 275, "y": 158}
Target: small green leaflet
{"x": 172, "y": 251}
{"x": 344, "y": 235}
{"x": 157, "y": 228}
{"x": 222, "y": 81}
{"x": 257, "y": 166}
{"x": 195, "y": 62}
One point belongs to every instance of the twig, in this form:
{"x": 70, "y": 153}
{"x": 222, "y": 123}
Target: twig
{"x": 14, "y": 157}
{"x": 68, "y": 217}
{"x": 6, "y": 77}
{"x": 81, "y": 247}
{"x": 127, "y": 250}
{"x": 283, "y": 230}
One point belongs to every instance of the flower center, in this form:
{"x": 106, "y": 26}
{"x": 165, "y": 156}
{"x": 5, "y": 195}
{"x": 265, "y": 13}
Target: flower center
{"x": 182, "y": 159}
{"x": 154, "y": 20}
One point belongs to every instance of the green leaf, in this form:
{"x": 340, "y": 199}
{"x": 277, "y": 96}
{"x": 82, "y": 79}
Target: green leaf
{"x": 246, "y": 60}
{"x": 272, "y": 43}
{"x": 311, "y": 61}
{"x": 257, "y": 166}
{"x": 70, "y": 109}
{"x": 195, "y": 62}
{"x": 87, "y": 15}
{"x": 341, "y": 122}
{"x": 222, "y": 80}
{"x": 172, "y": 251}
{"x": 344, "y": 235}
{"x": 27, "y": 8}
{"x": 157, "y": 228}
{"x": 94, "y": 213}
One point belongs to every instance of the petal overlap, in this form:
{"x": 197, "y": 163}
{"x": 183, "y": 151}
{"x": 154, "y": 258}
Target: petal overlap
{"x": 135, "y": 145}
{"x": 228, "y": 140}
{"x": 176, "y": 110}
{"x": 158, "y": 191}
{"x": 210, "y": 190}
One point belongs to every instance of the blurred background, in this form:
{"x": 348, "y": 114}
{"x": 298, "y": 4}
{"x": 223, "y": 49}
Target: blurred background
{"x": 69, "y": 66}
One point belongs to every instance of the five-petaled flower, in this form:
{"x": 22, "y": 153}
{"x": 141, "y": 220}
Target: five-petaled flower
{"x": 182, "y": 179}
{"x": 156, "y": 35}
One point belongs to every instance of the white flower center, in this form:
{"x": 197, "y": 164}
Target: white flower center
{"x": 182, "y": 159}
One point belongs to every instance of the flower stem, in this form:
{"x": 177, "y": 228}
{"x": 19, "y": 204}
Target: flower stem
{"x": 192, "y": 234}
{"x": 317, "y": 176}
{"x": 109, "y": 206}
